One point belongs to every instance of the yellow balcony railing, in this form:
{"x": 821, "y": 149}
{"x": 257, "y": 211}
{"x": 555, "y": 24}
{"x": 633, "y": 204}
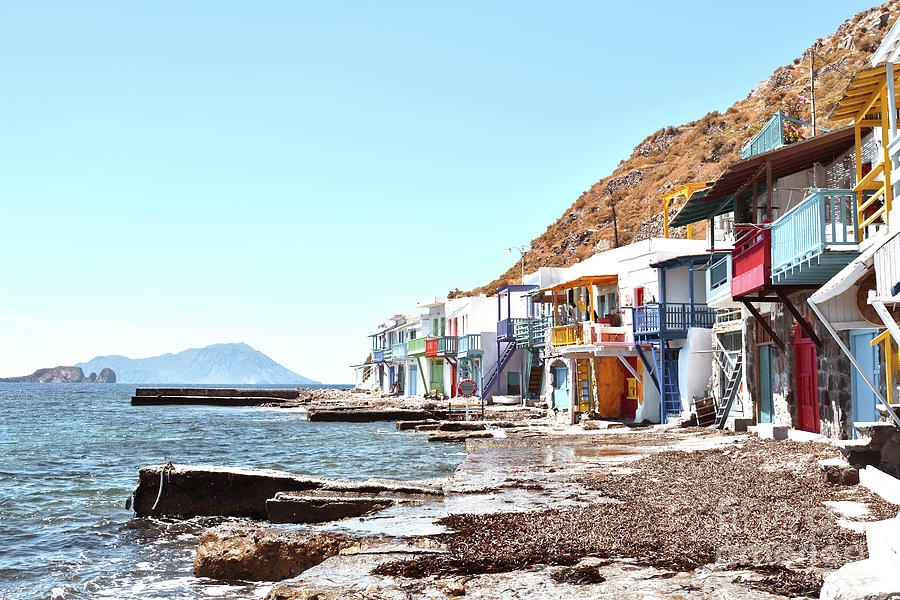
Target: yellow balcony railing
{"x": 566, "y": 335}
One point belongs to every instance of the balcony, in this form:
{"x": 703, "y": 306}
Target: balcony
{"x": 469, "y": 345}
{"x": 398, "y": 352}
{"x": 506, "y": 330}
{"x": 815, "y": 239}
{"x": 416, "y": 347}
{"x": 751, "y": 261}
{"x": 718, "y": 279}
{"x": 565, "y": 335}
{"x": 670, "y": 320}
{"x": 378, "y": 355}
{"x": 531, "y": 333}
{"x": 440, "y": 347}
{"x": 771, "y": 136}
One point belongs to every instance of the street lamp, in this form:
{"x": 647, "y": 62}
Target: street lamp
{"x": 522, "y": 250}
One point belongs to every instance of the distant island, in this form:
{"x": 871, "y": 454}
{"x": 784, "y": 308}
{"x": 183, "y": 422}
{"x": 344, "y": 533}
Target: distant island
{"x": 218, "y": 364}
{"x": 64, "y": 375}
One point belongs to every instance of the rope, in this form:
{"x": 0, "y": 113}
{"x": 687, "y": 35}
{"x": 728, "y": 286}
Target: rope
{"x": 161, "y": 474}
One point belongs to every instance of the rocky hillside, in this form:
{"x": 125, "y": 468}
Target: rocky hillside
{"x": 700, "y": 150}
{"x": 64, "y": 375}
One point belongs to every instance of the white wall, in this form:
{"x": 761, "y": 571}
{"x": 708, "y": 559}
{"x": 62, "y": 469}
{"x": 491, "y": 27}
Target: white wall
{"x": 694, "y": 366}
{"x": 649, "y": 408}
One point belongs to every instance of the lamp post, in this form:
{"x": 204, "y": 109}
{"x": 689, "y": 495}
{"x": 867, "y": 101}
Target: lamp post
{"x": 522, "y": 250}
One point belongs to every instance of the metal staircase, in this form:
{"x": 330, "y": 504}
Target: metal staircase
{"x": 493, "y": 376}
{"x": 734, "y": 382}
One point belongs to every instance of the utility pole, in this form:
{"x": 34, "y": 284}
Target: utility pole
{"x": 522, "y": 250}
{"x": 812, "y": 88}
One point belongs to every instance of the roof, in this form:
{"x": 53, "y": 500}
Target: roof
{"x": 679, "y": 261}
{"x": 506, "y": 289}
{"x": 786, "y": 160}
{"x": 698, "y": 209}
{"x": 583, "y": 281}
{"x": 860, "y": 98}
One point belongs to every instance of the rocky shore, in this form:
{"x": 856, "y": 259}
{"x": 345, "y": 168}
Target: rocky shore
{"x": 550, "y": 511}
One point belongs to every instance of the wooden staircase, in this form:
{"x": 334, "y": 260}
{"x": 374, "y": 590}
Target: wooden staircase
{"x": 734, "y": 382}
{"x": 583, "y": 377}
{"x": 706, "y": 412}
{"x": 534, "y": 381}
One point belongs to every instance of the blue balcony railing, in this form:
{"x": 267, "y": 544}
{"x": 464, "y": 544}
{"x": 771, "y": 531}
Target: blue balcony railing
{"x": 824, "y": 220}
{"x": 378, "y": 355}
{"x": 506, "y": 330}
{"x": 718, "y": 276}
{"x": 771, "y": 136}
{"x": 469, "y": 344}
{"x": 398, "y": 351}
{"x": 672, "y": 319}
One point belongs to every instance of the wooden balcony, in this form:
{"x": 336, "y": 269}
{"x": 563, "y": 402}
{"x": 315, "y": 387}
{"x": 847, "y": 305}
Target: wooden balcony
{"x": 506, "y": 329}
{"x": 531, "y": 333}
{"x": 815, "y": 239}
{"x": 469, "y": 345}
{"x": 399, "y": 352}
{"x": 441, "y": 346}
{"x": 378, "y": 355}
{"x": 565, "y": 335}
{"x": 771, "y": 136}
{"x": 751, "y": 261}
{"x": 718, "y": 279}
{"x": 416, "y": 347}
{"x": 671, "y": 320}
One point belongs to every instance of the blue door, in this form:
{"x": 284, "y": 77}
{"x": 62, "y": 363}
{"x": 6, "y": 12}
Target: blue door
{"x": 766, "y": 404}
{"x": 863, "y": 398}
{"x": 413, "y": 377}
{"x": 561, "y": 387}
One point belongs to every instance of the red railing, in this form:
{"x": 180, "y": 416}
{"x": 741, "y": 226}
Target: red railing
{"x": 751, "y": 260}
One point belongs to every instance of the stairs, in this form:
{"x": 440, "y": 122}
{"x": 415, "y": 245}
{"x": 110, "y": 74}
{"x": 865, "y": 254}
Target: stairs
{"x": 734, "y": 382}
{"x": 493, "y": 376}
{"x": 534, "y": 380}
{"x": 670, "y": 393}
{"x": 706, "y": 412}
{"x": 583, "y": 378}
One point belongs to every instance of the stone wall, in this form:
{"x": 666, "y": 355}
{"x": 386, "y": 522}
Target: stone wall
{"x": 833, "y": 373}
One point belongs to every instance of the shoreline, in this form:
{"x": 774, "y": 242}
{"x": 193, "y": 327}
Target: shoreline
{"x": 550, "y": 474}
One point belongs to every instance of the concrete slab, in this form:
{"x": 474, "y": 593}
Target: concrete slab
{"x": 862, "y": 580}
{"x": 883, "y": 541}
{"x": 770, "y": 431}
{"x": 881, "y": 483}
{"x": 797, "y": 435}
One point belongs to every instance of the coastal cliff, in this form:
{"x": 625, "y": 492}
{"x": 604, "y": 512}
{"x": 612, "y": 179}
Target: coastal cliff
{"x": 63, "y": 375}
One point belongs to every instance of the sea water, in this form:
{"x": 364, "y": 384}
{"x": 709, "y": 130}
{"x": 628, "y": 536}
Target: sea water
{"x": 69, "y": 460}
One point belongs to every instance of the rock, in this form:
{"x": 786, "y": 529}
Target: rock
{"x": 455, "y": 588}
{"x": 61, "y": 375}
{"x": 242, "y": 552}
{"x": 890, "y": 452}
{"x": 770, "y": 431}
{"x": 106, "y": 375}
{"x": 458, "y": 436}
{"x": 300, "y": 507}
{"x": 293, "y": 592}
{"x": 839, "y": 472}
{"x": 198, "y": 491}
{"x": 862, "y": 580}
{"x": 234, "y": 492}
{"x": 471, "y": 425}
{"x": 404, "y": 425}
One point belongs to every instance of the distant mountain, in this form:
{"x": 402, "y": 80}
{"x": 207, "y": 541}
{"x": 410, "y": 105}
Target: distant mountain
{"x": 64, "y": 375}
{"x": 217, "y": 364}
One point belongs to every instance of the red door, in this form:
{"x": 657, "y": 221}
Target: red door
{"x": 807, "y": 381}
{"x": 630, "y": 397}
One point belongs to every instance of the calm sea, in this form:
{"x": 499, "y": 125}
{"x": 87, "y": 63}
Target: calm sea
{"x": 69, "y": 456}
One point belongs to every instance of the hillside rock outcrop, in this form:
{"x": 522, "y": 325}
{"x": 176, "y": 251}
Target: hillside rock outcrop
{"x": 63, "y": 375}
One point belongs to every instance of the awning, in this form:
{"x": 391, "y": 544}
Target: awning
{"x": 545, "y": 295}
{"x": 698, "y": 209}
{"x": 861, "y": 97}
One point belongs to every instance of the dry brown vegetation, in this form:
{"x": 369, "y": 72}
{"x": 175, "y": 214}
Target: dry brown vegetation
{"x": 758, "y": 507}
{"x": 699, "y": 150}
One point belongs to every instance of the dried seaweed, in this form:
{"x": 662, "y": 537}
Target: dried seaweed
{"x": 758, "y": 504}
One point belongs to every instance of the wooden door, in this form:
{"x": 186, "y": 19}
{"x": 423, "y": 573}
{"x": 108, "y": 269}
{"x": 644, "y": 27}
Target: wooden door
{"x": 863, "y": 398}
{"x": 437, "y": 376}
{"x": 632, "y": 390}
{"x": 561, "y": 387}
{"x": 766, "y": 401}
{"x": 806, "y": 382}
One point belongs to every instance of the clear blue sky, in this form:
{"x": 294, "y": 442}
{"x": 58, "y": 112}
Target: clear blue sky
{"x": 287, "y": 174}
